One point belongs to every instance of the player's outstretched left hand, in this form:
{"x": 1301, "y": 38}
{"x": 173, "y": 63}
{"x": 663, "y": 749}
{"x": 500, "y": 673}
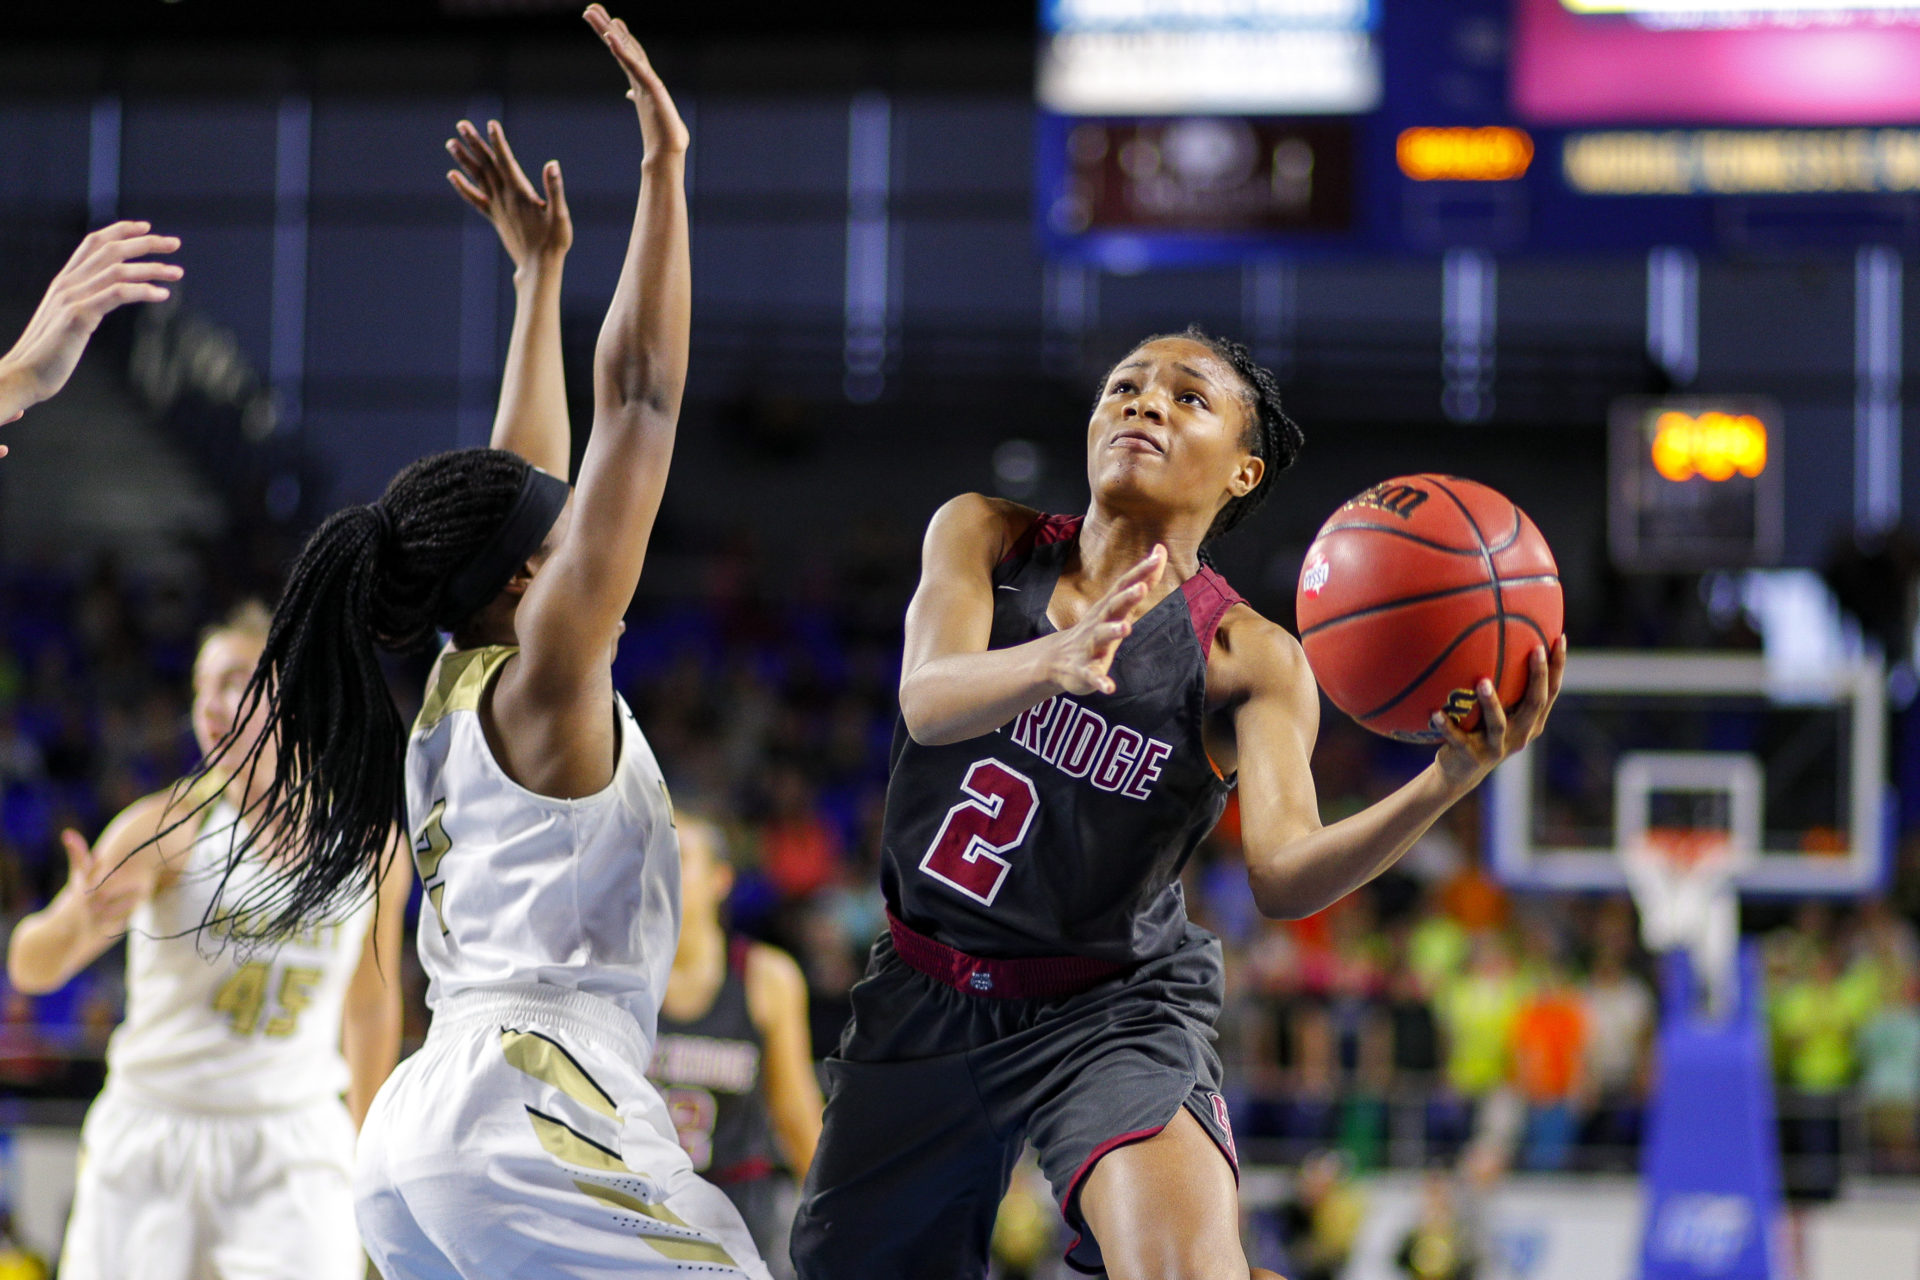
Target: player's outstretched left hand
{"x": 533, "y": 227}
{"x": 105, "y": 901}
{"x": 662, "y": 131}
{"x": 1465, "y": 758}
{"x": 101, "y": 275}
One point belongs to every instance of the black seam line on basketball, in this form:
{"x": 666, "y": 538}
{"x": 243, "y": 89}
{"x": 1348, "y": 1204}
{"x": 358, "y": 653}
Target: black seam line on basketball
{"x": 1410, "y": 537}
{"x": 1523, "y": 618}
{"x": 1493, "y": 577}
{"x": 1390, "y": 605}
{"x": 1511, "y": 537}
{"x": 584, "y": 1073}
{"x": 535, "y": 1111}
{"x": 1422, "y": 678}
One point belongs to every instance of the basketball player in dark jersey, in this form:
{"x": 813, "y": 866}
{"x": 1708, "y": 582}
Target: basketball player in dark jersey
{"x": 734, "y": 1058}
{"x": 1078, "y": 695}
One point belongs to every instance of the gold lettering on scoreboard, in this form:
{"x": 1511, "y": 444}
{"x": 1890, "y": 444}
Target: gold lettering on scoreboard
{"x": 1707, "y": 162}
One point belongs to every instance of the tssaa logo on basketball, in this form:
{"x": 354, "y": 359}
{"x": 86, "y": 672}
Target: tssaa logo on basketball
{"x": 1313, "y": 578}
{"x": 1704, "y": 1232}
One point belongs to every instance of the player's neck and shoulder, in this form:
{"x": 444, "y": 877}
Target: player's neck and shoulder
{"x": 977, "y": 530}
{"x": 774, "y": 984}
{"x": 771, "y": 978}
{"x": 700, "y": 970}
{"x": 1253, "y": 655}
{"x": 152, "y": 838}
{"x": 983, "y": 532}
{"x": 1246, "y": 653}
{"x": 563, "y": 743}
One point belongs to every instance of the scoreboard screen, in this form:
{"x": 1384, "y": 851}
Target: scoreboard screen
{"x": 1730, "y": 62}
{"x": 1180, "y": 132}
{"x": 1166, "y": 57}
{"x": 1690, "y": 488}
{"x": 1192, "y": 130}
{"x": 1206, "y": 174}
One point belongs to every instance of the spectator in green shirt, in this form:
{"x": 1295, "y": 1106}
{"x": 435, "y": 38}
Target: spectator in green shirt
{"x": 1815, "y": 1021}
{"x": 1476, "y": 1012}
{"x": 1890, "y": 1081}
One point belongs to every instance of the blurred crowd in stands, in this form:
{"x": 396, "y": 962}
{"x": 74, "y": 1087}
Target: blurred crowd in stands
{"x": 1430, "y": 1015}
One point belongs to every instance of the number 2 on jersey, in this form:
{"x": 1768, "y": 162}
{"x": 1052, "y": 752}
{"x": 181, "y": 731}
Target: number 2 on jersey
{"x": 992, "y": 820}
{"x": 429, "y": 848}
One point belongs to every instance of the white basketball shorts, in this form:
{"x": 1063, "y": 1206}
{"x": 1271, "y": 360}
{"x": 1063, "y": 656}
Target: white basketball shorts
{"x": 165, "y": 1194}
{"x": 524, "y": 1140}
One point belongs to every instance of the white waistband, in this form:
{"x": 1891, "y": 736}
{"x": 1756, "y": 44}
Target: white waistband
{"x": 208, "y": 1105}
{"x": 561, "y": 1008}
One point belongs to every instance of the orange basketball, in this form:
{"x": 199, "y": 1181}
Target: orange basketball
{"x": 1414, "y": 591}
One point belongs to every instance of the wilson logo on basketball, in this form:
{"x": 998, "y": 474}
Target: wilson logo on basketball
{"x": 1313, "y": 578}
{"x": 1460, "y": 704}
{"x": 1395, "y": 499}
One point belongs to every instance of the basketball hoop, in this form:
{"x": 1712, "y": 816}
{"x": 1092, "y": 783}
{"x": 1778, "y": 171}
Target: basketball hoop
{"x": 1687, "y": 848}
{"x": 1682, "y": 873}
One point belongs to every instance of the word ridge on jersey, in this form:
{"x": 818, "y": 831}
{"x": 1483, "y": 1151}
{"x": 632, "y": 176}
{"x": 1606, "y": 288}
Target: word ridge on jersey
{"x": 1081, "y": 743}
{"x": 728, "y": 1065}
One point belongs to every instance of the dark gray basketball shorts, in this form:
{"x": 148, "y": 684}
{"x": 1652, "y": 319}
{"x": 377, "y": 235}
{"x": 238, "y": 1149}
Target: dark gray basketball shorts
{"x": 933, "y": 1091}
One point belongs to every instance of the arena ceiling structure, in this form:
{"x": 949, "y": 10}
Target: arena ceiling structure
{"x": 142, "y": 20}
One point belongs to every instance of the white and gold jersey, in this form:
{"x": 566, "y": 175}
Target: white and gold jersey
{"x": 524, "y": 888}
{"x": 213, "y": 1026}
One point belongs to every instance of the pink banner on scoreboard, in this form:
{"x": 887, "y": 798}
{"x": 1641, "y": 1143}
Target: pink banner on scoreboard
{"x": 1575, "y": 69}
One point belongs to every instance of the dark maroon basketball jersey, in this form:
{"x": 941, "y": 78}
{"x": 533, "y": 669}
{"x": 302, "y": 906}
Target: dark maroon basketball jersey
{"x": 1063, "y": 832}
{"x": 708, "y": 1070}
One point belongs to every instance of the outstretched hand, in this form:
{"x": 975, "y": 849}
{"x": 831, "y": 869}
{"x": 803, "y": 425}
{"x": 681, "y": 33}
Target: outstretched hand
{"x": 101, "y": 275}
{"x": 105, "y": 900}
{"x": 661, "y": 127}
{"x": 532, "y": 225}
{"x": 1465, "y": 758}
{"x": 1088, "y": 646}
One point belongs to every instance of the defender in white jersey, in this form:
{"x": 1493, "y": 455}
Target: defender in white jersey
{"x": 523, "y": 1139}
{"x": 220, "y": 1146}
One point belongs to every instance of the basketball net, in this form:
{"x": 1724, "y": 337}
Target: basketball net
{"x": 1682, "y": 883}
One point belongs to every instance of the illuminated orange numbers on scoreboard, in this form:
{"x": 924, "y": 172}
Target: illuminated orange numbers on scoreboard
{"x": 1713, "y": 445}
{"x": 1493, "y": 154}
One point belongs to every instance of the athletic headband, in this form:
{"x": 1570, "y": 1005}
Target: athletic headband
{"x": 533, "y": 512}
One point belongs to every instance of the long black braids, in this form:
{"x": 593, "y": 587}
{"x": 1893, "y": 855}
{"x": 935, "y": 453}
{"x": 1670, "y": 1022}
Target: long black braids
{"x": 1272, "y": 436}
{"x": 370, "y": 577}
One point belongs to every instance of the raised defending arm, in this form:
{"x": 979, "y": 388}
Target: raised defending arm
{"x": 575, "y": 603}
{"x": 102, "y": 274}
{"x": 536, "y": 230}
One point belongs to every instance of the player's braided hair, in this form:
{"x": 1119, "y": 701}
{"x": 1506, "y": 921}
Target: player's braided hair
{"x": 1272, "y": 436}
{"x": 371, "y": 575}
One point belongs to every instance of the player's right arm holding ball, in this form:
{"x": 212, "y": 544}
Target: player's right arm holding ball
{"x": 1259, "y": 676}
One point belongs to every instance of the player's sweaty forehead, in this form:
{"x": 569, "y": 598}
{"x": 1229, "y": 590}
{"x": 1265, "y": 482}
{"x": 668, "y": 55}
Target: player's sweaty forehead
{"x": 1182, "y": 356}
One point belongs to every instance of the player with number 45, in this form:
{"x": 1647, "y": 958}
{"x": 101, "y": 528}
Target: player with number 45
{"x": 220, "y": 1145}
